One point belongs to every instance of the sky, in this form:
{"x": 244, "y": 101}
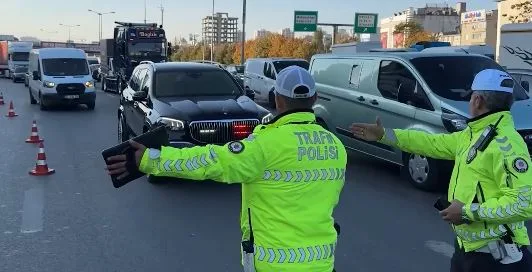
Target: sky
{"x": 42, "y": 18}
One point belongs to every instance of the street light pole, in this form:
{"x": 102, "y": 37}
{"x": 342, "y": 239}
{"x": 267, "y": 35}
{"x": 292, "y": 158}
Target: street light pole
{"x": 212, "y": 37}
{"x": 69, "y": 28}
{"x": 100, "y": 21}
{"x": 242, "y": 50}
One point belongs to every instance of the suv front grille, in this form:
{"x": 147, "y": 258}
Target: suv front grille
{"x": 70, "y": 88}
{"x": 221, "y": 131}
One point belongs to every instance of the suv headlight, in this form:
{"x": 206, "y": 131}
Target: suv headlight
{"x": 267, "y": 118}
{"x": 172, "y": 124}
{"x": 89, "y": 84}
{"x": 48, "y": 84}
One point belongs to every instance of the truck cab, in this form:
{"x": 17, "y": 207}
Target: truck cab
{"x": 18, "y": 56}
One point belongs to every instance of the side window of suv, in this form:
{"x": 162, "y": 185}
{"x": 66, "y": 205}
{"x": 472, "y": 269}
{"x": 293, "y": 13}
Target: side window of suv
{"x": 145, "y": 81}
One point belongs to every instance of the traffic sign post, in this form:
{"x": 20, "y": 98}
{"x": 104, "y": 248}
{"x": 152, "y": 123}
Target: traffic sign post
{"x": 305, "y": 21}
{"x": 366, "y": 22}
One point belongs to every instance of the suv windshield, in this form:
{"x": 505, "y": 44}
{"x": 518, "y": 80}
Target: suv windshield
{"x": 195, "y": 83}
{"x": 281, "y": 64}
{"x": 452, "y": 77}
{"x": 21, "y": 69}
{"x": 65, "y": 67}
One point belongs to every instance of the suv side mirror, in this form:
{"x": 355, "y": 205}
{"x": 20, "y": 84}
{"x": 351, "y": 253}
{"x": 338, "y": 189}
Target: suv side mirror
{"x": 525, "y": 85}
{"x": 250, "y": 94}
{"x": 140, "y": 96}
{"x": 36, "y": 75}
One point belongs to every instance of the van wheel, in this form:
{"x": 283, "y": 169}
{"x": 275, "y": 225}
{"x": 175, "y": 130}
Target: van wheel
{"x": 32, "y": 99}
{"x": 271, "y": 100}
{"x": 421, "y": 172}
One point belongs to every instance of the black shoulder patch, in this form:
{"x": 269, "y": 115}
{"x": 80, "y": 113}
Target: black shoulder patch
{"x": 520, "y": 165}
{"x": 236, "y": 147}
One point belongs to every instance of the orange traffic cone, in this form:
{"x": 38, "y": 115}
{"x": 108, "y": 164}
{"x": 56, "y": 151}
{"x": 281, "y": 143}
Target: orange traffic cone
{"x": 41, "y": 168}
{"x": 1, "y": 99}
{"x": 11, "y": 112}
{"x": 34, "y": 137}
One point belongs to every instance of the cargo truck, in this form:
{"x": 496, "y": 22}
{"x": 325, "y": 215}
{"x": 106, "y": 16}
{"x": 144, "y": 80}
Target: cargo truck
{"x": 131, "y": 44}
{"x": 18, "y": 56}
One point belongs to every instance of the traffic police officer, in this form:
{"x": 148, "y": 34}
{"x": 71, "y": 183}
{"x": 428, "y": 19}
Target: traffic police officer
{"x": 490, "y": 187}
{"x": 291, "y": 170}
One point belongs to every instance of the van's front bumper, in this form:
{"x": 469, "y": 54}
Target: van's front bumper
{"x": 54, "y": 98}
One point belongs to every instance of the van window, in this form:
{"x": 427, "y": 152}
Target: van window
{"x": 333, "y": 72}
{"x": 65, "y": 67}
{"x": 452, "y": 77}
{"x": 392, "y": 76}
{"x": 281, "y": 64}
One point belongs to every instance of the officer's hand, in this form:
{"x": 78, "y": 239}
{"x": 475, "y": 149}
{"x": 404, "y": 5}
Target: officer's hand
{"x": 117, "y": 165}
{"x": 368, "y": 132}
{"x": 453, "y": 213}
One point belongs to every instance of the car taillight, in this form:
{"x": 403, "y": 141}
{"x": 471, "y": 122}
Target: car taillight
{"x": 241, "y": 131}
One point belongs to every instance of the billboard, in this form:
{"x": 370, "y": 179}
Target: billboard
{"x": 474, "y": 16}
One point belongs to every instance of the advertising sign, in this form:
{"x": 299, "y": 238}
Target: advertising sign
{"x": 474, "y": 16}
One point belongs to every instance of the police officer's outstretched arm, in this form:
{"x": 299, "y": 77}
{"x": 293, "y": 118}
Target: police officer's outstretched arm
{"x": 235, "y": 162}
{"x": 439, "y": 146}
{"x": 514, "y": 180}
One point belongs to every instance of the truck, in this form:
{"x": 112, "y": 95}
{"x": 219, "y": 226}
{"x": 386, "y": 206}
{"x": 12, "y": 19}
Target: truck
{"x": 514, "y": 52}
{"x": 131, "y": 44}
{"x": 355, "y": 47}
{"x": 18, "y": 55}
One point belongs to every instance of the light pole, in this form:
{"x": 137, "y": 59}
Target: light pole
{"x": 100, "y": 14}
{"x": 69, "y": 28}
{"x": 48, "y": 32}
{"x": 212, "y": 37}
{"x": 242, "y": 54}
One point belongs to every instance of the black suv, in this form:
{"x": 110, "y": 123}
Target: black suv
{"x": 198, "y": 103}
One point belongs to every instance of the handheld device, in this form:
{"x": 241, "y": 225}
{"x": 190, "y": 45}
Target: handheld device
{"x": 152, "y": 139}
{"x": 441, "y": 204}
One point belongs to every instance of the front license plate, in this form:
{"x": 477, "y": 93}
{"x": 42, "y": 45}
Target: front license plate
{"x": 71, "y": 96}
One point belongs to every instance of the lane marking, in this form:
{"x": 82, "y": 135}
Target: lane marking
{"x": 441, "y": 247}
{"x": 32, "y": 215}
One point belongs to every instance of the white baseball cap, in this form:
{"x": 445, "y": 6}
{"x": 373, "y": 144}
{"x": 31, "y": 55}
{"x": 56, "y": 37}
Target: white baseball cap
{"x": 492, "y": 80}
{"x": 295, "y": 82}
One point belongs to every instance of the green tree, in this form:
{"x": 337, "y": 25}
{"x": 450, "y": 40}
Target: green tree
{"x": 317, "y": 41}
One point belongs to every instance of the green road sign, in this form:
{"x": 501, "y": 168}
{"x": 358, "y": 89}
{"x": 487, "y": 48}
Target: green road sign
{"x": 366, "y": 22}
{"x": 305, "y": 21}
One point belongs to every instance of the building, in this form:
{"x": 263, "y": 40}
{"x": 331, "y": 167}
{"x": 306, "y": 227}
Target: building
{"x": 453, "y": 37}
{"x": 479, "y": 27}
{"x": 509, "y": 14}
{"x": 287, "y": 33}
{"x": 219, "y": 28}
{"x": 261, "y": 33}
{"x": 433, "y": 18}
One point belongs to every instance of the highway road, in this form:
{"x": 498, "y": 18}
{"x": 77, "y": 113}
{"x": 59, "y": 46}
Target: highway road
{"x": 75, "y": 220}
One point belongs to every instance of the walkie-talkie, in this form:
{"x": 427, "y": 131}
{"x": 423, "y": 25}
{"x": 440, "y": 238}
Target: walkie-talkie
{"x": 487, "y": 136}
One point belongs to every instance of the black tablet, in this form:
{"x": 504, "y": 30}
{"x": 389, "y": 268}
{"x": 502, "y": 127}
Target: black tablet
{"x": 152, "y": 139}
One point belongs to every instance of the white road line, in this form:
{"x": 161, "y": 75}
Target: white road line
{"x": 443, "y": 248}
{"x": 32, "y": 215}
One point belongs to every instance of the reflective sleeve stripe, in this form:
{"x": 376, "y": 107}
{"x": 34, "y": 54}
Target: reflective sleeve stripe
{"x": 522, "y": 202}
{"x": 295, "y": 255}
{"x": 308, "y": 175}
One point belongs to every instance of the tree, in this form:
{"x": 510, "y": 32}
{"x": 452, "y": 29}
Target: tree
{"x": 524, "y": 11}
{"x": 413, "y": 33}
{"x": 317, "y": 41}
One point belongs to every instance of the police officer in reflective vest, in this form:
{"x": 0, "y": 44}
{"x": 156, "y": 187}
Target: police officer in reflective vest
{"x": 490, "y": 188}
{"x": 292, "y": 172}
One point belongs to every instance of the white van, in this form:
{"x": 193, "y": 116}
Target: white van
{"x": 260, "y": 75}
{"x": 60, "y": 76}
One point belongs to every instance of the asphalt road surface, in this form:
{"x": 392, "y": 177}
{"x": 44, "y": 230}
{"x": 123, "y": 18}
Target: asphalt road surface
{"x": 75, "y": 220}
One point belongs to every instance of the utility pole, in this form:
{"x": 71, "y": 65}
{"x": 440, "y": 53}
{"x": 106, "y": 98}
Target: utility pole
{"x": 100, "y": 21}
{"x": 212, "y": 37}
{"x": 242, "y": 49}
{"x": 162, "y": 13}
{"x": 69, "y": 28}
{"x": 144, "y": 11}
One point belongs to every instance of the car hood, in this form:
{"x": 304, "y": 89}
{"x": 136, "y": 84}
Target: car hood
{"x": 520, "y": 111}
{"x": 209, "y": 108}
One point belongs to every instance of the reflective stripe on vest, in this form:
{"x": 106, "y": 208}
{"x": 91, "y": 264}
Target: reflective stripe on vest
{"x": 294, "y": 255}
{"x": 305, "y": 175}
{"x": 487, "y": 234}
